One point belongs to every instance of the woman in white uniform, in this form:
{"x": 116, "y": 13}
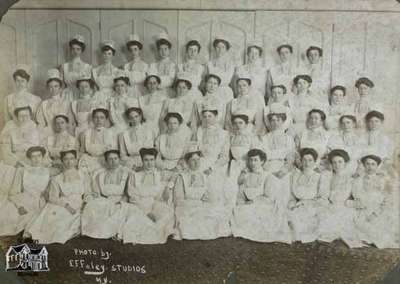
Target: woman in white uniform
{"x": 136, "y": 69}
{"x": 164, "y": 67}
{"x": 76, "y": 68}
{"x": 21, "y": 97}
{"x": 222, "y": 65}
{"x": 150, "y": 215}
{"x": 373, "y": 195}
{"x": 137, "y": 136}
{"x": 336, "y": 214}
{"x": 7, "y": 174}
{"x": 338, "y": 106}
{"x": 247, "y": 102}
{"x": 95, "y": 141}
{"x": 152, "y": 101}
{"x": 260, "y": 213}
{"x": 103, "y": 217}
{"x": 199, "y": 202}
{"x": 305, "y": 200}
{"x": 26, "y": 197}
{"x": 60, "y": 219}
{"x": 105, "y": 73}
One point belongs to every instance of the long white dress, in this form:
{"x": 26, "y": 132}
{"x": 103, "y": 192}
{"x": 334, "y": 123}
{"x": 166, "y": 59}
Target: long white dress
{"x": 316, "y": 138}
{"x": 378, "y": 143}
{"x": 117, "y": 105}
{"x": 166, "y": 70}
{"x": 55, "y": 224}
{"x": 27, "y": 191}
{"x": 71, "y": 72}
{"x": 364, "y": 105}
{"x": 137, "y": 71}
{"x": 281, "y": 73}
{"x": 260, "y": 213}
{"x": 304, "y": 206}
{"x": 195, "y": 71}
{"x": 200, "y": 211}
{"x": 224, "y": 68}
{"x": 320, "y": 80}
{"x": 21, "y": 99}
{"x": 258, "y": 76}
{"x": 333, "y": 114}
{"x": 104, "y": 216}
{"x": 60, "y": 142}
{"x": 7, "y": 174}
{"x": 374, "y": 193}
{"x": 131, "y": 141}
{"x": 151, "y": 105}
{"x": 104, "y": 76}
{"x": 150, "y": 218}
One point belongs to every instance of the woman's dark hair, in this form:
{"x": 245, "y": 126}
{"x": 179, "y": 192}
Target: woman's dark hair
{"x": 148, "y": 151}
{"x": 63, "y": 116}
{"x": 132, "y": 43}
{"x": 102, "y": 110}
{"x": 173, "y": 114}
{"x": 77, "y": 42}
{"x": 376, "y": 114}
{"x": 21, "y": 73}
{"x": 338, "y": 153}
{"x": 18, "y": 109}
{"x": 107, "y": 48}
{"x": 146, "y": 81}
{"x": 216, "y": 77}
{"x": 257, "y": 152}
{"x": 309, "y": 151}
{"x": 243, "y": 117}
{"x": 193, "y": 43}
{"x": 64, "y": 153}
{"x": 348, "y": 116}
{"x": 320, "y": 112}
{"x": 113, "y": 151}
{"x": 288, "y": 46}
{"x": 163, "y": 41}
{"x": 338, "y": 87}
{"x": 282, "y": 116}
{"x": 135, "y": 109}
{"x": 187, "y": 82}
{"x": 259, "y": 48}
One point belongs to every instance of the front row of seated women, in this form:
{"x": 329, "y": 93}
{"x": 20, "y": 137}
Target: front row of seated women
{"x": 148, "y": 205}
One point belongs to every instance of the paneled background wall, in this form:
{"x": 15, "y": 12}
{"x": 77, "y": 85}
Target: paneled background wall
{"x": 354, "y": 43}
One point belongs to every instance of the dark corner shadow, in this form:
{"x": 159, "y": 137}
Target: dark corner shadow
{"x": 5, "y": 5}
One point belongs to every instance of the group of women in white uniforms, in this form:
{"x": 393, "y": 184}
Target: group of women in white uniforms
{"x": 191, "y": 151}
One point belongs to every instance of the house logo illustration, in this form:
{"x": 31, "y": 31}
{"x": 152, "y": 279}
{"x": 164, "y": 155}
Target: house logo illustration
{"x": 23, "y": 258}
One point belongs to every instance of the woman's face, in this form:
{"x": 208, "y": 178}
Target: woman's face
{"x": 313, "y": 56}
{"x": 211, "y": 85}
{"x": 23, "y": 116}
{"x": 338, "y": 163}
{"x": 120, "y": 87}
{"x": 76, "y": 50}
{"x": 36, "y": 158}
{"x": 374, "y": 123}
{"x": 253, "y": 54}
{"x": 108, "y": 56}
{"x": 347, "y": 124}
{"x": 54, "y": 88}
{"x": 192, "y": 52}
{"x": 112, "y": 160}
{"x": 255, "y": 163}
{"x": 99, "y": 119}
{"x": 20, "y": 83}
{"x": 149, "y": 162}
{"x": 363, "y": 90}
{"x": 60, "y": 125}
{"x": 135, "y": 51}
{"x": 285, "y": 54}
{"x": 69, "y": 161}
{"x": 220, "y": 49}
{"x": 84, "y": 88}
{"x": 239, "y": 124}
{"x": 194, "y": 162}
{"x": 314, "y": 120}
{"x": 308, "y": 162}
{"x": 302, "y": 85}
{"x": 243, "y": 87}
{"x": 371, "y": 166}
{"x": 135, "y": 118}
{"x": 173, "y": 124}
{"x": 276, "y": 122}
{"x": 182, "y": 88}
{"x": 337, "y": 97}
{"x": 152, "y": 84}
{"x": 209, "y": 118}
{"x": 277, "y": 94}
{"x": 164, "y": 51}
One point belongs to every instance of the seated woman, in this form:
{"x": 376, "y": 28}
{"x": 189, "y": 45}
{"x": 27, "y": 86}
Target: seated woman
{"x": 199, "y": 200}
{"x": 56, "y": 104}
{"x": 60, "y": 219}
{"x": 336, "y": 217}
{"x": 172, "y": 144}
{"x": 315, "y": 136}
{"x": 119, "y": 102}
{"x": 150, "y": 216}
{"x": 26, "y": 197}
{"x": 137, "y": 136}
{"x": 94, "y": 142}
{"x": 279, "y": 146}
{"x": 247, "y": 102}
{"x": 19, "y": 136}
{"x": 181, "y": 103}
{"x": 338, "y": 106}
{"x": 305, "y": 200}
{"x": 104, "y": 215}
{"x": 374, "y": 203}
{"x": 260, "y": 211}
{"x": 152, "y": 101}
{"x": 60, "y": 141}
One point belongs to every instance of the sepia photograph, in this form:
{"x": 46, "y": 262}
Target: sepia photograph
{"x": 200, "y": 141}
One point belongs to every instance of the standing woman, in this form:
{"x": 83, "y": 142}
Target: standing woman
{"x": 338, "y": 106}
{"x": 222, "y": 65}
{"x": 136, "y": 69}
{"x": 137, "y": 136}
{"x": 255, "y": 68}
{"x": 365, "y": 102}
{"x": 105, "y": 73}
{"x": 164, "y": 67}
{"x": 305, "y": 199}
{"x": 21, "y": 97}
{"x": 26, "y": 197}
{"x": 76, "y": 68}
{"x": 60, "y": 219}
{"x": 192, "y": 67}
{"x": 55, "y": 105}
